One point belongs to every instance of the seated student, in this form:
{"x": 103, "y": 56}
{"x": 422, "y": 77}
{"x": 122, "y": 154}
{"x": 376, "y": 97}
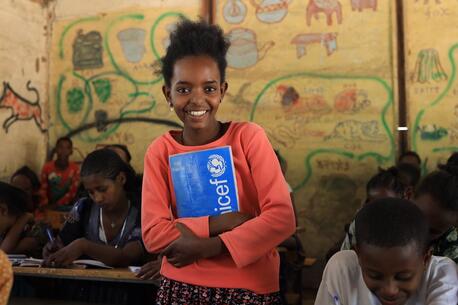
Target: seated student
{"x": 60, "y": 177}
{"x": 392, "y": 262}
{"x": 105, "y": 226}
{"x": 18, "y": 232}
{"x": 437, "y": 197}
{"x": 386, "y": 183}
{"x": 26, "y": 180}
{"x": 6, "y": 278}
{"x": 410, "y": 157}
{"x": 124, "y": 154}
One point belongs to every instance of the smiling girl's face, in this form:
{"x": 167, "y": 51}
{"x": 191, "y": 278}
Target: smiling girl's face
{"x": 195, "y": 93}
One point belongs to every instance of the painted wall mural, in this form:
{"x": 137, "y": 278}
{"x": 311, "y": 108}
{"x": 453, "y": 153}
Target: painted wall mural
{"x": 325, "y": 98}
{"x": 104, "y": 88}
{"x": 432, "y": 90}
{"x": 20, "y": 107}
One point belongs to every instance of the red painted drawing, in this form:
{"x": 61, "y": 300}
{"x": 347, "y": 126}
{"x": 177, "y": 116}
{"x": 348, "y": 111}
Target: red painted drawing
{"x": 22, "y": 109}
{"x": 327, "y": 40}
{"x": 362, "y": 4}
{"x": 328, "y": 7}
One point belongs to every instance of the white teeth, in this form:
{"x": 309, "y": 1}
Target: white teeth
{"x": 197, "y": 113}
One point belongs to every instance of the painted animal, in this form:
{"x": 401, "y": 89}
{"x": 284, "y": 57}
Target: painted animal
{"x": 351, "y": 101}
{"x": 362, "y": 4}
{"x": 432, "y": 132}
{"x": 328, "y": 7}
{"x": 293, "y": 102}
{"x": 327, "y": 40}
{"x": 22, "y": 109}
{"x": 352, "y": 130}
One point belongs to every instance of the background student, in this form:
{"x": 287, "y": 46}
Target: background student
{"x": 60, "y": 177}
{"x": 437, "y": 197}
{"x": 19, "y": 234}
{"x": 105, "y": 226}
{"x": 392, "y": 262}
{"x": 26, "y": 180}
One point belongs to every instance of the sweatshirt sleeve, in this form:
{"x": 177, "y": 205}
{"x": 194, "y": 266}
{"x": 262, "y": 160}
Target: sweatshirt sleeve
{"x": 158, "y": 221}
{"x": 276, "y": 222}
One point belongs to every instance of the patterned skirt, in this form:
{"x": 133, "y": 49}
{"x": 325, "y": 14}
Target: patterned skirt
{"x": 177, "y": 293}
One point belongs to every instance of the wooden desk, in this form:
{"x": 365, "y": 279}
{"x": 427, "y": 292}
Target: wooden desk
{"x": 123, "y": 275}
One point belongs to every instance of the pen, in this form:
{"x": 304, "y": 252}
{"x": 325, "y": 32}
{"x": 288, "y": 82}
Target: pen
{"x": 49, "y": 234}
{"x": 336, "y": 300}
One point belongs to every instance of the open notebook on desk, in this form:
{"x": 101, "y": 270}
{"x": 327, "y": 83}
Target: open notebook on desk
{"x": 77, "y": 264}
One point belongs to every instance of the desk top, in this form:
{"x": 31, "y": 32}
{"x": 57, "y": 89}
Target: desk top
{"x": 106, "y": 275}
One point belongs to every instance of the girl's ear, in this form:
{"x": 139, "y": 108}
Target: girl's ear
{"x": 427, "y": 256}
{"x": 224, "y": 87}
{"x": 121, "y": 178}
{"x": 166, "y": 92}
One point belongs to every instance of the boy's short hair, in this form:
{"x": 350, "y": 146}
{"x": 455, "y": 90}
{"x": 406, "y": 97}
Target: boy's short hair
{"x": 62, "y": 139}
{"x": 391, "y": 222}
{"x": 442, "y": 186}
{"x": 410, "y": 153}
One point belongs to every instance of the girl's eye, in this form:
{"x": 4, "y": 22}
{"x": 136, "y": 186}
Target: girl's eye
{"x": 210, "y": 89}
{"x": 374, "y": 276}
{"x": 101, "y": 189}
{"x": 404, "y": 277}
{"x": 183, "y": 90}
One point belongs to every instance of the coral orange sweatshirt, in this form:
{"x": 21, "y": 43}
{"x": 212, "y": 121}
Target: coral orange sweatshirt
{"x": 252, "y": 262}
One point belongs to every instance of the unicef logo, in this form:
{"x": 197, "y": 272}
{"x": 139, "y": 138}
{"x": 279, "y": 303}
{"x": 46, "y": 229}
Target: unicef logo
{"x": 216, "y": 165}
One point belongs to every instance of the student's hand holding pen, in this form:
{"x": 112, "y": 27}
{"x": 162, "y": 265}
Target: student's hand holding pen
{"x": 53, "y": 245}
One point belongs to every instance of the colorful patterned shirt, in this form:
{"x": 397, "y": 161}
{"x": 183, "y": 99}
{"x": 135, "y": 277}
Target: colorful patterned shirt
{"x": 447, "y": 245}
{"x": 59, "y": 186}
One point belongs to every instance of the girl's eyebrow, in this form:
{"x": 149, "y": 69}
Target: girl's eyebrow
{"x": 182, "y": 82}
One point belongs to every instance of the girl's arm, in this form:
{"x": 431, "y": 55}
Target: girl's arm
{"x": 10, "y": 242}
{"x": 158, "y": 224}
{"x": 276, "y": 221}
{"x": 109, "y": 255}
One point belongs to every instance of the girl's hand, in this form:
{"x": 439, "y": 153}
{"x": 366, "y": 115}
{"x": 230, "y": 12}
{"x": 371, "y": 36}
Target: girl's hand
{"x": 185, "y": 250}
{"x": 150, "y": 270}
{"x": 66, "y": 255}
{"x": 52, "y": 246}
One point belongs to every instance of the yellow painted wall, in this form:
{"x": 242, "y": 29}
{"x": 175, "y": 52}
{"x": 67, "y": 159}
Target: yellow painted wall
{"x": 103, "y": 87}
{"x": 23, "y": 89}
{"x": 431, "y": 55}
{"x": 323, "y": 90}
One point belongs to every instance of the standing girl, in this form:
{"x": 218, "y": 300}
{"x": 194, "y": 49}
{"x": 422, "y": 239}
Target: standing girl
{"x": 227, "y": 259}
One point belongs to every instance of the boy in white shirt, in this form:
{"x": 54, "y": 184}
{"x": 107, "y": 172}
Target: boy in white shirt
{"x": 392, "y": 264}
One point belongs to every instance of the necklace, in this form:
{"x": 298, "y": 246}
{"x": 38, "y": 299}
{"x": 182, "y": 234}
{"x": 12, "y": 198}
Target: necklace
{"x": 112, "y": 222}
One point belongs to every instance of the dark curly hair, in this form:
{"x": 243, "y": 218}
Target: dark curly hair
{"x": 387, "y": 178}
{"x": 108, "y": 164}
{"x": 442, "y": 185}
{"x": 195, "y": 38}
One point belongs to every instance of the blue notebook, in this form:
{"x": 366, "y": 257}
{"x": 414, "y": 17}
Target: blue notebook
{"x": 204, "y": 182}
